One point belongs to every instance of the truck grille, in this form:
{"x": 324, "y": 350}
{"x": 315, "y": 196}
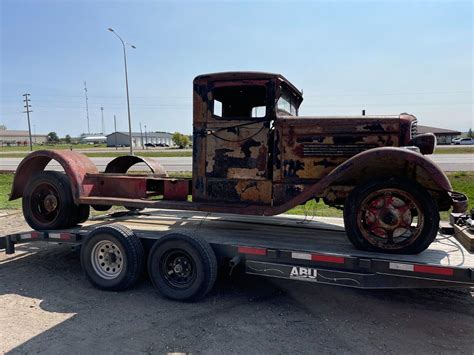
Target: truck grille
{"x": 414, "y": 128}
{"x": 334, "y": 150}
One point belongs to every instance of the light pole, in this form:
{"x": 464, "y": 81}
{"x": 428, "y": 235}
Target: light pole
{"x": 126, "y": 86}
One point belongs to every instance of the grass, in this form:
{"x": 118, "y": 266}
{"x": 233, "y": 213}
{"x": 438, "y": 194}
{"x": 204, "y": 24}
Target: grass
{"x": 454, "y": 150}
{"x": 461, "y": 181}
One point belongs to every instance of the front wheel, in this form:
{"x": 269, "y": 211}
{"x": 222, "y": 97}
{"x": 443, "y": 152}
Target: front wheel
{"x": 393, "y": 216}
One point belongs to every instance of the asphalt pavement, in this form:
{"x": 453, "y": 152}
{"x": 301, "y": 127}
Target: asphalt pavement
{"x": 448, "y": 162}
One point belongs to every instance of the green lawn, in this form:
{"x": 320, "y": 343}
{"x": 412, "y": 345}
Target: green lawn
{"x": 459, "y": 149}
{"x": 461, "y": 181}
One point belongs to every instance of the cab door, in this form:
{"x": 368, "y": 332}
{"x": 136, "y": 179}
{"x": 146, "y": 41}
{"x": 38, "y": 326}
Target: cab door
{"x": 237, "y": 143}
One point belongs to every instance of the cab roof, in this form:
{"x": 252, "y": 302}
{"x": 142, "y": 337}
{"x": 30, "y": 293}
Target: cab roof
{"x": 244, "y": 75}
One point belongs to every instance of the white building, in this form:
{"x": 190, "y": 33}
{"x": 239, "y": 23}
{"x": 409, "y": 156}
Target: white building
{"x": 16, "y": 138}
{"x": 139, "y": 139}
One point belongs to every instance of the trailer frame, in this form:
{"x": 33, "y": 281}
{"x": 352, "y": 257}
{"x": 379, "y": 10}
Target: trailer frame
{"x": 289, "y": 257}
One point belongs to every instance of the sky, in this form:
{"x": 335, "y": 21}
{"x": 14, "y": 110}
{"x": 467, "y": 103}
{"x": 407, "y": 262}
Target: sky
{"x": 384, "y": 57}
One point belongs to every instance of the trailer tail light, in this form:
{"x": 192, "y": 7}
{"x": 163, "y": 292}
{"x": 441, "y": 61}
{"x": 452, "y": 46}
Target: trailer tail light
{"x": 319, "y": 257}
{"x": 253, "y": 251}
{"x": 425, "y": 269}
{"x": 60, "y": 236}
{"x": 32, "y": 235}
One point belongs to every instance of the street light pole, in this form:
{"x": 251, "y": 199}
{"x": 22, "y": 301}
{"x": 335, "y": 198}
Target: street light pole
{"x": 126, "y": 86}
{"x": 115, "y": 127}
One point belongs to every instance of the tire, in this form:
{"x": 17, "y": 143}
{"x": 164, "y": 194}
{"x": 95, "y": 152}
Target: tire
{"x": 195, "y": 267}
{"x": 112, "y": 257}
{"x": 48, "y": 203}
{"x": 83, "y": 212}
{"x": 400, "y": 217}
{"x": 101, "y": 208}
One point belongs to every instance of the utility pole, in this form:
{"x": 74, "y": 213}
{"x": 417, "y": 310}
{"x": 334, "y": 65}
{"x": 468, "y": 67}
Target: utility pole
{"x": 115, "y": 127}
{"x": 141, "y": 136}
{"x": 103, "y": 123}
{"x": 27, "y": 106}
{"x": 87, "y": 109}
{"x": 146, "y": 139}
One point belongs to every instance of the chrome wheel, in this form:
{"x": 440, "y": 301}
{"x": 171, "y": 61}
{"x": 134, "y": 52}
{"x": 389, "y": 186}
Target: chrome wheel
{"x": 107, "y": 259}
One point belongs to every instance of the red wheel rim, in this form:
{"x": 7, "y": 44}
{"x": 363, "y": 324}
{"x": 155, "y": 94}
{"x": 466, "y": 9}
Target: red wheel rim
{"x": 390, "y": 219}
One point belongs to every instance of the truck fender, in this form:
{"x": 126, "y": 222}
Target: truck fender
{"x": 377, "y": 163}
{"x": 120, "y": 165}
{"x": 390, "y": 162}
{"x": 75, "y": 165}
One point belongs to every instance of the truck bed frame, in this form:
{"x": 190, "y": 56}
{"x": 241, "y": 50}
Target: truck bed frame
{"x": 289, "y": 247}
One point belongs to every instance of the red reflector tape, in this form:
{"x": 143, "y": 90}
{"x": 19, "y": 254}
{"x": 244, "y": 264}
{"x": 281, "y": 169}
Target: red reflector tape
{"x": 327, "y": 258}
{"x": 60, "y": 236}
{"x": 254, "y": 251}
{"x": 433, "y": 270}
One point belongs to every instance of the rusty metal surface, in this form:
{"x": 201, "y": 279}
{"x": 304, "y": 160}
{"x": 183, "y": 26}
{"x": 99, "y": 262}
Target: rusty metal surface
{"x": 262, "y": 164}
{"x": 75, "y": 165}
{"x": 123, "y": 163}
{"x": 177, "y": 190}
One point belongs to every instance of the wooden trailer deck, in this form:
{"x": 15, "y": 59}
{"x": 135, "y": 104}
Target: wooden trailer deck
{"x": 284, "y": 232}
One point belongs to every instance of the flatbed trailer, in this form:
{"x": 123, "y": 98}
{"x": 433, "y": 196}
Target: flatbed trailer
{"x": 289, "y": 247}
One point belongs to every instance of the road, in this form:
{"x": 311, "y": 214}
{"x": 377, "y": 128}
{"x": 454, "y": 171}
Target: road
{"x": 448, "y": 162}
{"x": 48, "y": 307}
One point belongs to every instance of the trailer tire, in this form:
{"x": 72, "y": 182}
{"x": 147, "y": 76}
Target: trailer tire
{"x": 395, "y": 216}
{"x": 48, "y": 203}
{"x": 182, "y": 267}
{"x": 112, "y": 257}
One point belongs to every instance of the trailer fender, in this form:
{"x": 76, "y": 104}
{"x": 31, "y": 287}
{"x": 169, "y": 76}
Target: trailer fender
{"x": 120, "y": 165}
{"x": 75, "y": 165}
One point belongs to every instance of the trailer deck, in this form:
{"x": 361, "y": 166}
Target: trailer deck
{"x": 284, "y": 246}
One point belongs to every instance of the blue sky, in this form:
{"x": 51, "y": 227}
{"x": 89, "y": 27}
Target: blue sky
{"x": 386, "y": 57}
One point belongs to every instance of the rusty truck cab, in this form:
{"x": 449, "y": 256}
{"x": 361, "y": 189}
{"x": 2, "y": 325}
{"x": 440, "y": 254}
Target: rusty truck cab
{"x": 234, "y": 115}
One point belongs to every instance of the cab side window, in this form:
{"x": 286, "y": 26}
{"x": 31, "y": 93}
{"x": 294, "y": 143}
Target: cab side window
{"x": 239, "y": 102}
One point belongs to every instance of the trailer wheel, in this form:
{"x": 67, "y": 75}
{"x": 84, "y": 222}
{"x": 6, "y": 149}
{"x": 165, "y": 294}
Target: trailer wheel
{"x": 112, "y": 257}
{"x": 394, "y": 216}
{"x": 134, "y": 209}
{"x": 47, "y": 201}
{"x": 182, "y": 267}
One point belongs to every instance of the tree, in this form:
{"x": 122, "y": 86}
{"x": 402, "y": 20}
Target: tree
{"x": 181, "y": 140}
{"x": 67, "y": 139}
{"x": 52, "y": 137}
{"x": 470, "y": 134}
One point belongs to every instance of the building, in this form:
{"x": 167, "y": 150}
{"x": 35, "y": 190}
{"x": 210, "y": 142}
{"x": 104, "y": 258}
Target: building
{"x": 122, "y": 139}
{"x": 17, "y": 138}
{"x": 443, "y": 136}
{"x": 94, "y": 139}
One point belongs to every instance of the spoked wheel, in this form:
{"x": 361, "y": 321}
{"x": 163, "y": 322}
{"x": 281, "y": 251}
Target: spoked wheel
{"x": 391, "y": 217}
{"x": 48, "y": 203}
{"x": 112, "y": 257}
{"x": 182, "y": 267}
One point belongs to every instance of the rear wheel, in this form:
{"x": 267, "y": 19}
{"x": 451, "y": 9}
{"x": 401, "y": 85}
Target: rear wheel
{"x": 394, "y": 216}
{"x": 112, "y": 257}
{"x": 182, "y": 267}
{"x": 47, "y": 201}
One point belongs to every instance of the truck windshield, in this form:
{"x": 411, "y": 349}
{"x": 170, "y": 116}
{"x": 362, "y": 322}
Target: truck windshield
{"x": 286, "y": 104}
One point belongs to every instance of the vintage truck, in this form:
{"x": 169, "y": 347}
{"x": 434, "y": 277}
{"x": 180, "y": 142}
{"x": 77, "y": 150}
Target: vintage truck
{"x": 254, "y": 155}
